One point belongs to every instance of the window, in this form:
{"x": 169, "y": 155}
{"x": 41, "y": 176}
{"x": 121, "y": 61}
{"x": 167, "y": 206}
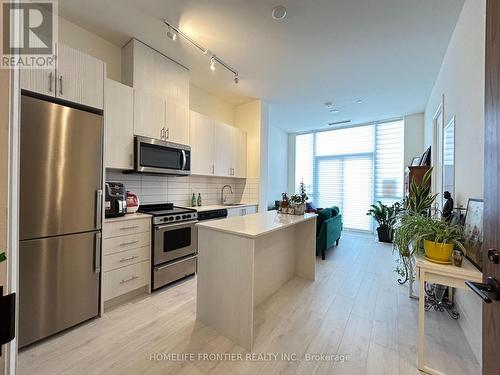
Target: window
{"x": 351, "y": 168}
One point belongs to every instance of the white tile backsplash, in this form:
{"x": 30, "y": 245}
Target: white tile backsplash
{"x": 178, "y": 190}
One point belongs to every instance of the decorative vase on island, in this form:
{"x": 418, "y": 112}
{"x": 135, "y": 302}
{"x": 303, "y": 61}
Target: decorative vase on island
{"x": 299, "y": 209}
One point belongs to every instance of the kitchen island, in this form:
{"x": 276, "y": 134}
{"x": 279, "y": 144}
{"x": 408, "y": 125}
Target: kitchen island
{"x": 244, "y": 260}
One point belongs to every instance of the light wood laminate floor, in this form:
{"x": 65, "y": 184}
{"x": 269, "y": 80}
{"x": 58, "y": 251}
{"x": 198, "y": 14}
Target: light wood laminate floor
{"x": 354, "y": 308}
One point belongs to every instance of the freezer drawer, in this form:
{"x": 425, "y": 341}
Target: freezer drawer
{"x": 58, "y": 284}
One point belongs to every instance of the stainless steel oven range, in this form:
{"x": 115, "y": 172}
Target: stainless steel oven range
{"x": 174, "y": 242}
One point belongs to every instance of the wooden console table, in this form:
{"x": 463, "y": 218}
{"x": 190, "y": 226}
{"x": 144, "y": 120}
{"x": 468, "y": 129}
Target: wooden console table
{"x": 444, "y": 274}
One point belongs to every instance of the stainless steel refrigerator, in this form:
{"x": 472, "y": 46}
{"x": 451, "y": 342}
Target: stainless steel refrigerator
{"x": 60, "y": 217}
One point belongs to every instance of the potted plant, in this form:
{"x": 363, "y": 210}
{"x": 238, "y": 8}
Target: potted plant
{"x": 299, "y": 200}
{"x": 385, "y": 216}
{"x": 285, "y": 203}
{"x": 438, "y": 237}
{"x": 418, "y": 203}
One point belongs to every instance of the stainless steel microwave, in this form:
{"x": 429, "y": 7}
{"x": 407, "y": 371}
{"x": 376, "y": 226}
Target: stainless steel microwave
{"x": 157, "y": 156}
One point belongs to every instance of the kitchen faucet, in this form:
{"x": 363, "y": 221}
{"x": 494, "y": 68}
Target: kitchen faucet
{"x": 222, "y": 198}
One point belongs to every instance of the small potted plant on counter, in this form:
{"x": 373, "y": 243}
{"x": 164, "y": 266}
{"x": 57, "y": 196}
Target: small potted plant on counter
{"x": 299, "y": 200}
{"x": 385, "y": 216}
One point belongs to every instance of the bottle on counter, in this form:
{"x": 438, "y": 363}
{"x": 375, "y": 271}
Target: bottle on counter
{"x": 199, "y": 199}
{"x": 193, "y": 200}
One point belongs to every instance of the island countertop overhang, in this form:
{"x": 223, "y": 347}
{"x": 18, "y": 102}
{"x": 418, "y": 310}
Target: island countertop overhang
{"x": 256, "y": 225}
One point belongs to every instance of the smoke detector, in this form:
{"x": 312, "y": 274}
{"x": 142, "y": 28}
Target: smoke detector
{"x": 279, "y": 12}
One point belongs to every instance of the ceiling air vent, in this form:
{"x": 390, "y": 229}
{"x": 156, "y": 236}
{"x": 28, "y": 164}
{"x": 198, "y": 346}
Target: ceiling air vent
{"x": 339, "y": 123}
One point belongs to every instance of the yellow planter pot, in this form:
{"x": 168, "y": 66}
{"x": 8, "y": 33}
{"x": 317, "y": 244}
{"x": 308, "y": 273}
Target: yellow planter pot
{"x": 438, "y": 252}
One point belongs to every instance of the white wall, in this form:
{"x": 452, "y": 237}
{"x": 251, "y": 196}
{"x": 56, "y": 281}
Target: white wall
{"x": 203, "y": 102}
{"x": 278, "y": 164}
{"x": 414, "y": 137}
{"x": 78, "y": 38}
{"x": 461, "y": 80}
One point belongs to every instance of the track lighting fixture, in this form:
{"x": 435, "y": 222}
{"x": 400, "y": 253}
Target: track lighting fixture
{"x": 172, "y": 34}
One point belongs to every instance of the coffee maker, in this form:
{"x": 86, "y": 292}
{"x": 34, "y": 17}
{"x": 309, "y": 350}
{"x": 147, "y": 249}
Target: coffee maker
{"x": 115, "y": 200}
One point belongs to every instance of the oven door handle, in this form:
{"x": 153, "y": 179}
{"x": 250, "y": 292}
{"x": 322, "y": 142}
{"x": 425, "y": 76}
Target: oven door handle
{"x": 159, "y": 268}
{"x": 175, "y": 225}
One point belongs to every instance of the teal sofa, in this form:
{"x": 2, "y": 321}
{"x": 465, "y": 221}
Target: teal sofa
{"x": 328, "y": 229}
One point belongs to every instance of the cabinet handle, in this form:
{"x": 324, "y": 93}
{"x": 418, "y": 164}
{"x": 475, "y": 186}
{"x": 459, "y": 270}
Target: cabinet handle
{"x": 162, "y": 132}
{"x": 129, "y": 243}
{"x": 168, "y": 133}
{"x": 50, "y": 82}
{"x": 128, "y": 280}
{"x": 213, "y": 169}
{"x": 60, "y": 85}
{"x": 123, "y": 260}
{"x": 128, "y": 228}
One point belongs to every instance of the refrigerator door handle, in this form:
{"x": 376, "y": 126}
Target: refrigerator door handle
{"x": 97, "y": 253}
{"x": 98, "y": 210}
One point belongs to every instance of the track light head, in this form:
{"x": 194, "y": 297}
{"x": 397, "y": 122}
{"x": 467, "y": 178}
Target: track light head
{"x": 212, "y": 64}
{"x": 171, "y": 34}
{"x": 236, "y": 79}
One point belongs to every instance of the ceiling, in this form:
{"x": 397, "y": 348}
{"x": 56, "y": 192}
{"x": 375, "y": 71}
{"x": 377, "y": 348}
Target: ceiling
{"x": 386, "y": 53}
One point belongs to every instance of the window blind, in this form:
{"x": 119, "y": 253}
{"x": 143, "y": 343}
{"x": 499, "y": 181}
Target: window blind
{"x": 351, "y": 168}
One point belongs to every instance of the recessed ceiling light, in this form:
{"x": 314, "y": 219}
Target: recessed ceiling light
{"x": 359, "y": 101}
{"x": 328, "y": 105}
{"x": 334, "y": 111}
{"x": 279, "y": 12}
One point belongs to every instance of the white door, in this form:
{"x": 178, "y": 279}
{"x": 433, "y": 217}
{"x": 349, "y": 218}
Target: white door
{"x": 201, "y": 136}
{"x": 177, "y": 122}
{"x": 239, "y": 153}
{"x": 42, "y": 81}
{"x": 118, "y": 125}
{"x": 149, "y": 115}
{"x": 223, "y": 149}
{"x": 80, "y": 77}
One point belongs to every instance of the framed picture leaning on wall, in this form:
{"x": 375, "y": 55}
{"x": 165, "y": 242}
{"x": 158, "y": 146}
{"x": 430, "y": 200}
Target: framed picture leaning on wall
{"x": 473, "y": 231}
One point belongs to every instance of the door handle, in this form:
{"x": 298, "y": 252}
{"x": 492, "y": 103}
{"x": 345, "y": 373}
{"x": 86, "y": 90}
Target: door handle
{"x": 50, "y": 82}
{"x": 98, "y": 213}
{"x": 488, "y": 292}
{"x": 97, "y": 253}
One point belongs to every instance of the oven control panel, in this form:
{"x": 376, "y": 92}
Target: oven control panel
{"x": 175, "y": 218}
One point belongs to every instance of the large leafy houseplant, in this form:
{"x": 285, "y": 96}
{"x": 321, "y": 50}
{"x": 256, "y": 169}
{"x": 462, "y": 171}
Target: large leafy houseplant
{"x": 417, "y": 207}
{"x": 385, "y": 216}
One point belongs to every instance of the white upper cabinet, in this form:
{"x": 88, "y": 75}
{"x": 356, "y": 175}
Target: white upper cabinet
{"x": 177, "y": 122}
{"x": 202, "y": 137}
{"x": 217, "y": 148}
{"x": 42, "y": 81}
{"x": 78, "y": 78}
{"x": 239, "y": 152}
{"x": 223, "y": 149}
{"x": 118, "y": 125}
{"x": 149, "y": 115}
{"x": 154, "y": 74}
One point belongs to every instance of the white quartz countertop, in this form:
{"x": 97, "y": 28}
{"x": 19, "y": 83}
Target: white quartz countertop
{"x": 220, "y": 207}
{"x": 256, "y": 225}
{"x": 126, "y": 217}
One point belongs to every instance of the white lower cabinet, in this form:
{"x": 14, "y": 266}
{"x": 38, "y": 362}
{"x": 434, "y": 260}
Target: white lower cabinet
{"x": 241, "y": 211}
{"x": 126, "y": 252}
